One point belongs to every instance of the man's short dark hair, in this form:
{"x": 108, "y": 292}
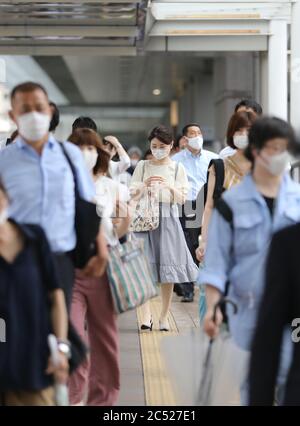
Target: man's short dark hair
{"x": 186, "y": 128}
{"x": 265, "y": 129}
{"x": 55, "y": 117}
{"x": 249, "y": 103}
{"x": 84, "y": 123}
{"x": 162, "y": 133}
{"x": 28, "y": 86}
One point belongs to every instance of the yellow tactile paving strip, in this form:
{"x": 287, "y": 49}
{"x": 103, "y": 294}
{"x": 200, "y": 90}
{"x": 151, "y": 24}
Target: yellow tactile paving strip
{"x": 157, "y": 383}
{"x": 158, "y": 387}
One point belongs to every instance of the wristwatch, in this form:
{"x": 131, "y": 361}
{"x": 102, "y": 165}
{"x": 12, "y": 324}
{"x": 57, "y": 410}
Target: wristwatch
{"x": 64, "y": 347}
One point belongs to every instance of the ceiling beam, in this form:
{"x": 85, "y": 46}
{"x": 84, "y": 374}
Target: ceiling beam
{"x": 220, "y": 11}
{"x": 217, "y": 43}
{"x": 59, "y": 50}
{"x": 117, "y": 111}
{"x": 81, "y": 2}
{"x": 66, "y": 30}
{"x": 167, "y": 28}
{"x": 59, "y": 72}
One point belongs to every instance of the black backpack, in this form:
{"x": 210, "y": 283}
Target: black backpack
{"x": 220, "y": 174}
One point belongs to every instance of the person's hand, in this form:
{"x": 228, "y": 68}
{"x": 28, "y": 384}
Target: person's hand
{"x": 96, "y": 266}
{"x": 137, "y": 192}
{"x": 211, "y": 327}
{"x": 60, "y": 370}
{"x": 155, "y": 180}
{"x": 200, "y": 252}
{"x": 113, "y": 140}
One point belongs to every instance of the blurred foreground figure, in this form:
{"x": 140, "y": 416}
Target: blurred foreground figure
{"x": 280, "y": 308}
{"x": 240, "y": 231}
{"x": 32, "y": 306}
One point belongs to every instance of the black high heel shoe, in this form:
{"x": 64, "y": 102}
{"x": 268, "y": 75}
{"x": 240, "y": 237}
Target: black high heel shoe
{"x": 146, "y": 326}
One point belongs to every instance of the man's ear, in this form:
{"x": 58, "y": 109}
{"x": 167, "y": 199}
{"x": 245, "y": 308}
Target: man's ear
{"x": 12, "y": 116}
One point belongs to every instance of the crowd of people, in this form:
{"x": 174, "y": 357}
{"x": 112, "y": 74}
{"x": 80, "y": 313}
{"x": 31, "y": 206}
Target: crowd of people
{"x": 219, "y": 211}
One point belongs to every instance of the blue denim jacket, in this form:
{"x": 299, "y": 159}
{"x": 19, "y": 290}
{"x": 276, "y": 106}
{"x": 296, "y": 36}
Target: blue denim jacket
{"x": 239, "y": 255}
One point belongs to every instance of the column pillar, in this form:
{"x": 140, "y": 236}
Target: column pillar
{"x": 264, "y": 81}
{"x": 278, "y": 70}
{"x": 295, "y": 67}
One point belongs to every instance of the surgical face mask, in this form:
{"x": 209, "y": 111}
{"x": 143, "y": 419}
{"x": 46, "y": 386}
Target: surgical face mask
{"x": 3, "y": 216}
{"x": 196, "y": 143}
{"x": 240, "y": 141}
{"x": 33, "y": 126}
{"x": 276, "y": 164}
{"x": 90, "y": 158}
{"x": 159, "y": 154}
{"x": 134, "y": 162}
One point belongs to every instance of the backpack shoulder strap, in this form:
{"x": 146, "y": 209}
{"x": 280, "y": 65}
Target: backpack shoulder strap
{"x": 225, "y": 211}
{"x": 72, "y": 167}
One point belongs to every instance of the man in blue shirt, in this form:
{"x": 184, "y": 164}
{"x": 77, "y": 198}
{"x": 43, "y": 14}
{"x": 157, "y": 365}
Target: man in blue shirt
{"x": 40, "y": 183}
{"x": 196, "y": 161}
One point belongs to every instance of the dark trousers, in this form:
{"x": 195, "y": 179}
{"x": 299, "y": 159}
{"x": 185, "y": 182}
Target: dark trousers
{"x": 191, "y": 236}
{"x": 66, "y": 274}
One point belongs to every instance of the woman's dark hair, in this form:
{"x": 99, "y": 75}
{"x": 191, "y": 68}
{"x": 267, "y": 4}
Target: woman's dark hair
{"x": 177, "y": 140}
{"x": 55, "y": 117}
{"x": 249, "y": 103}
{"x": 265, "y": 129}
{"x": 88, "y": 137}
{"x": 162, "y": 133}
{"x": 238, "y": 121}
{"x": 148, "y": 152}
{"x": 84, "y": 123}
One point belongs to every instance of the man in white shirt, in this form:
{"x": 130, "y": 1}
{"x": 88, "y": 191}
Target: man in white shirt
{"x": 196, "y": 160}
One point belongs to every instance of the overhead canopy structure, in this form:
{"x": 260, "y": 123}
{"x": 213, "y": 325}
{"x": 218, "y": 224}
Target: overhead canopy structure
{"x": 229, "y": 26}
{"x": 212, "y": 25}
{"x": 59, "y": 34}
{"x": 89, "y": 27}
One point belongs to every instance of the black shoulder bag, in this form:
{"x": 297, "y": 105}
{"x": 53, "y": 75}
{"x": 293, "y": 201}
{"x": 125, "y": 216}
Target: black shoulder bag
{"x": 87, "y": 223}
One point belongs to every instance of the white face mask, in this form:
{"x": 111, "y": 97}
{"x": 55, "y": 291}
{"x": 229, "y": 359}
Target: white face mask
{"x": 90, "y": 158}
{"x": 276, "y": 164}
{"x": 159, "y": 154}
{"x": 134, "y": 162}
{"x": 3, "y": 216}
{"x": 196, "y": 143}
{"x": 240, "y": 141}
{"x": 33, "y": 126}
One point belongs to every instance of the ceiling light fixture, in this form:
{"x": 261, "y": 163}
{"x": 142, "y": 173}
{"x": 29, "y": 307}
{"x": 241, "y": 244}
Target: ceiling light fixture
{"x": 156, "y": 92}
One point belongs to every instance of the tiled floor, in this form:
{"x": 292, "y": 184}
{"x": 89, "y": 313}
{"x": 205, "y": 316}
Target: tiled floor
{"x": 132, "y": 377}
{"x": 136, "y": 389}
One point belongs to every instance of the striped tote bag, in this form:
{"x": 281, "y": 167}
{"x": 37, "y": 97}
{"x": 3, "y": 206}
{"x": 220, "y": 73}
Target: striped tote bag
{"x": 130, "y": 278}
